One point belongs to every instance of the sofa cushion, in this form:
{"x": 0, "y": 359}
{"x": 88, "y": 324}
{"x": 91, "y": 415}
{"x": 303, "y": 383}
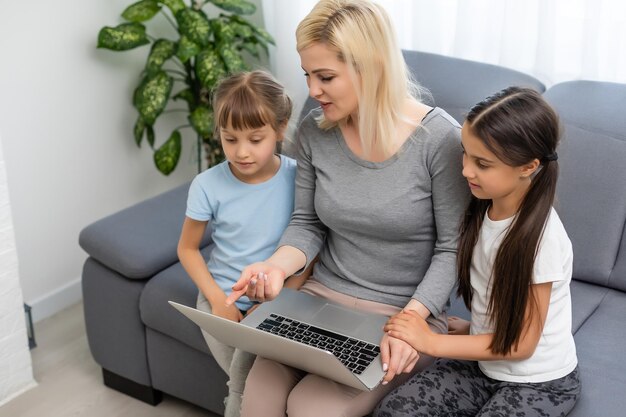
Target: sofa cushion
{"x": 172, "y": 284}
{"x": 591, "y": 194}
{"x": 600, "y": 345}
{"x": 141, "y": 240}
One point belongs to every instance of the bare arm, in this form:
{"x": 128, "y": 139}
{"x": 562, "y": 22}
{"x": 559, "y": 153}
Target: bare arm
{"x": 195, "y": 265}
{"x": 410, "y": 327}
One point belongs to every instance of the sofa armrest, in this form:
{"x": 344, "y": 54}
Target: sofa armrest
{"x": 141, "y": 240}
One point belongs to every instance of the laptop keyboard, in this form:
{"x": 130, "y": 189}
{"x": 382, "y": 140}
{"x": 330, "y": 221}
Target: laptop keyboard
{"x": 355, "y": 354}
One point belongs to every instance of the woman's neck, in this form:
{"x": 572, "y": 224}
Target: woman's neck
{"x": 414, "y": 112}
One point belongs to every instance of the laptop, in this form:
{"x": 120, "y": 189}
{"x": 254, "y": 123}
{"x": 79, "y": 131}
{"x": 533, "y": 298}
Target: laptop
{"x": 308, "y": 333}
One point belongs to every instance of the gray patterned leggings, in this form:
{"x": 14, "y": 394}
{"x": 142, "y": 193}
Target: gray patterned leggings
{"x": 459, "y": 388}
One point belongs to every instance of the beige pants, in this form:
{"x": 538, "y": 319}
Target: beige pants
{"x": 276, "y": 390}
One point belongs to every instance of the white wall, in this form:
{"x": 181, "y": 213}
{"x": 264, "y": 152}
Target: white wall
{"x": 66, "y": 120}
{"x": 16, "y": 374}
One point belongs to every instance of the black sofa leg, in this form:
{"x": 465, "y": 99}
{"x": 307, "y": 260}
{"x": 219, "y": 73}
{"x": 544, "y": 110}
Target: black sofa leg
{"x": 141, "y": 392}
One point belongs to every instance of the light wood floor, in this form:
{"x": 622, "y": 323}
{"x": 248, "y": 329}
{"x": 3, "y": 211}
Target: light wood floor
{"x": 70, "y": 382}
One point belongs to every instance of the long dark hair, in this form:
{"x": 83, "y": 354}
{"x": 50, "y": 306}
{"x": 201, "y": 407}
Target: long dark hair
{"x": 518, "y": 126}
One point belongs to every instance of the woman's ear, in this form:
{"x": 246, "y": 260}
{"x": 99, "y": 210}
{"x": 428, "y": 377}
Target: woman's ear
{"x": 530, "y": 168}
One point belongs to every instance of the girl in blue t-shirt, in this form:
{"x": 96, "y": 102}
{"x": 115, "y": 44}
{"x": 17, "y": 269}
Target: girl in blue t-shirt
{"x": 247, "y": 200}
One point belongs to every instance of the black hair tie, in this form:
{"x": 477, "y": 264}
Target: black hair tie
{"x": 551, "y": 157}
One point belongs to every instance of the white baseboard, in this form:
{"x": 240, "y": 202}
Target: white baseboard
{"x": 55, "y": 301}
{"x": 19, "y": 392}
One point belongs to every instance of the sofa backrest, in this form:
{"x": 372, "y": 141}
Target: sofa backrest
{"x": 456, "y": 84}
{"x": 591, "y": 193}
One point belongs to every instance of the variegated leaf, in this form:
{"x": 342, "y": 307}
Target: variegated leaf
{"x": 161, "y": 51}
{"x": 261, "y": 34}
{"x": 167, "y": 156}
{"x": 122, "y": 37}
{"x": 151, "y": 96}
{"x": 202, "y": 121}
{"x": 235, "y": 6}
{"x": 223, "y": 30}
{"x": 150, "y": 135}
{"x": 195, "y": 26}
{"x": 186, "y": 49}
{"x": 251, "y": 48}
{"x": 141, "y": 11}
{"x": 174, "y": 5}
{"x": 232, "y": 58}
{"x": 140, "y": 126}
{"x": 209, "y": 68}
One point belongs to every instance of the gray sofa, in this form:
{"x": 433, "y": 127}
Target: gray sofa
{"x": 146, "y": 348}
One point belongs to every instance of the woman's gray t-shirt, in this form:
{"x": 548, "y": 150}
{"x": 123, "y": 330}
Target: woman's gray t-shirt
{"x": 385, "y": 231}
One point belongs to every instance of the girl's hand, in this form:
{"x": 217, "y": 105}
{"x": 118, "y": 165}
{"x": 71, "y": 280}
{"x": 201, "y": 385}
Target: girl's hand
{"x": 230, "y": 312}
{"x": 397, "y": 357}
{"x": 411, "y": 328}
{"x": 457, "y": 325}
{"x": 261, "y": 281}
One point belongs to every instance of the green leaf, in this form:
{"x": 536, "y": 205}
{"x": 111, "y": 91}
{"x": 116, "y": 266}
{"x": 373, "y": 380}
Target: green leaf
{"x": 202, "y": 121}
{"x": 161, "y": 51}
{"x": 141, "y": 11}
{"x": 209, "y": 68}
{"x": 232, "y": 58}
{"x": 152, "y": 95}
{"x": 261, "y": 34}
{"x": 187, "y": 49}
{"x": 122, "y": 37}
{"x": 194, "y": 25}
{"x": 251, "y": 48}
{"x": 167, "y": 156}
{"x": 235, "y": 6}
{"x": 140, "y": 126}
{"x": 150, "y": 135}
{"x": 174, "y": 5}
{"x": 186, "y": 95}
{"x": 223, "y": 30}
{"x": 243, "y": 31}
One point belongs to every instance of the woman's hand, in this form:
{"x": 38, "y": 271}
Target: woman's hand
{"x": 457, "y": 325}
{"x": 411, "y": 328}
{"x": 397, "y": 356}
{"x": 261, "y": 281}
{"x": 230, "y": 312}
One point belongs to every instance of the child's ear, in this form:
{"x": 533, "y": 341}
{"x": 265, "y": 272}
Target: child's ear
{"x": 530, "y": 168}
{"x": 280, "y": 134}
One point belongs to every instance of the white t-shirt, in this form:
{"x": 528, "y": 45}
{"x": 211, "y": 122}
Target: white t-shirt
{"x": 555, "y": 355}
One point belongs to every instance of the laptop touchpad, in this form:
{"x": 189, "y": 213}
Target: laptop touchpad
{"x": 336, "y": 318}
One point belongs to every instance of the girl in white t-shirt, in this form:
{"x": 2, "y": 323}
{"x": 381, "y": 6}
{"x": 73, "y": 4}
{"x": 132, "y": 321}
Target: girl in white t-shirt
{"x": 517, "y": 355}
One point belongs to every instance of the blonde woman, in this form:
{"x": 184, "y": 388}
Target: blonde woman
{"x": 379, "y": 196}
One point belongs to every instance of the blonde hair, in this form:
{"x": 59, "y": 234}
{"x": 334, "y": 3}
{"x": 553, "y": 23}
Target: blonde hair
{"x": 361, "y": 33}
{"x": 249, "y": 100}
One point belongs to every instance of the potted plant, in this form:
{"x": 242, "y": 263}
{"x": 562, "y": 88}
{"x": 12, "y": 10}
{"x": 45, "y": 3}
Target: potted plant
{"x": 187, "y": 68}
